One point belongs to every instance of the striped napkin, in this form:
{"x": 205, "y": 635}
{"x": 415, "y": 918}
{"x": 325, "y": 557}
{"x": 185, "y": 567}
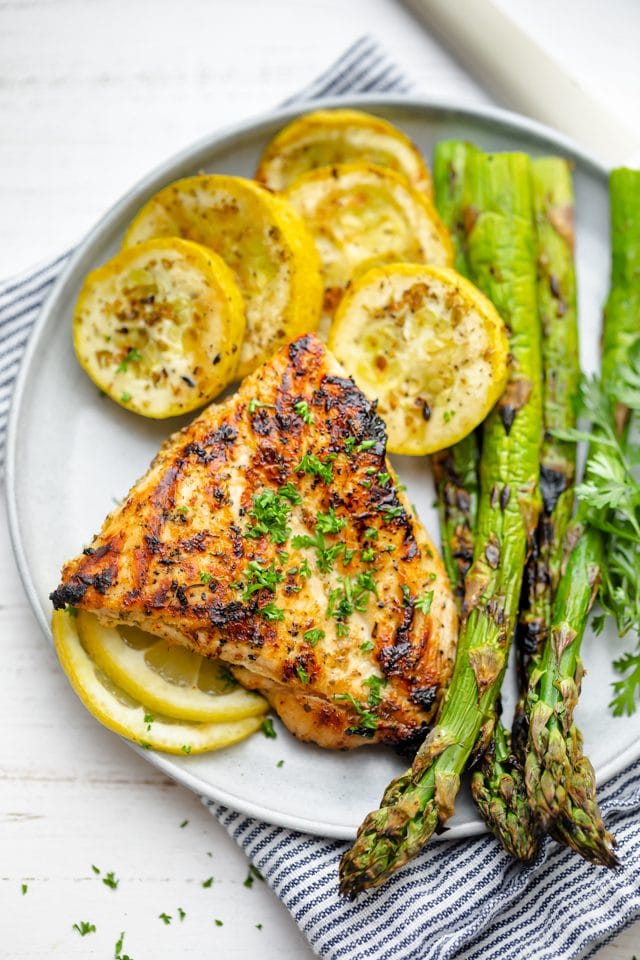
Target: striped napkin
{"x": 460, "y": 899}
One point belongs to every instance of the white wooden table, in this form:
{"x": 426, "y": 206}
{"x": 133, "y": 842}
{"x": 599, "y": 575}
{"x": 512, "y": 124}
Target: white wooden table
{"x": 92, "y": 94}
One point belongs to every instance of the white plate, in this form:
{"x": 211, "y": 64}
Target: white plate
{"x": 71, "y": 452}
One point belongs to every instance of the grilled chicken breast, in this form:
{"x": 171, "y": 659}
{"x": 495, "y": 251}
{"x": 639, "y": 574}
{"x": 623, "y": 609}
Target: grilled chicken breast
{"x": 271, "y": 533}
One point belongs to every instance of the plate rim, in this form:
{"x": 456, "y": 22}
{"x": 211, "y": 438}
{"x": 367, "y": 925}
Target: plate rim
{"x": 508, "y": 121}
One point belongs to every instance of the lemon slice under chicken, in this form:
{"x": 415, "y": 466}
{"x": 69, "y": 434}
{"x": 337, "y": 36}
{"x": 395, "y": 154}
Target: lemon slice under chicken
{"x": 261, "y": 239}
{"x": 123, "y": 714}
{"x": 326, "y": 137}
{"x": 167, "y": 677}
{"x": 362, "y": 216}
{"x": 429, "y": 346}
{"x": 159, "y": 327}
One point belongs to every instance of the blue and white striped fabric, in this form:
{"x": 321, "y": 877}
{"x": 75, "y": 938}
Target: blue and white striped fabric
{"x": 466, "y": 900}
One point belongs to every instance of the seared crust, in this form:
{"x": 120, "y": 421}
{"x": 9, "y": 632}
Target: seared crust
{"x": 184, "y": 557}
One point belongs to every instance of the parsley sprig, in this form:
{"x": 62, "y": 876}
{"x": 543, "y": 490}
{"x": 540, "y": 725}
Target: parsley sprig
{"x": 609, "y": 500}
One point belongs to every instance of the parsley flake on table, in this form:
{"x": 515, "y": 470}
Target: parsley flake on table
{"x": 166, "y": 918}
{"x": 118, "y": 954}
{"x": 111, "y": 881}
{"x": 84, "y": 927}
{"x": 218, "y": 923}
{"x": 24, "y": 888}
{"x": 184, "y": 823}
{"x": 207, "y": 883}
{"x": 181, "y": 913}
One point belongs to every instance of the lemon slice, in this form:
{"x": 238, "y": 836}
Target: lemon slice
{"x": 326, "y": 137}
{"x": 362, "y": 216}
{"x": 167, "y": 677}
{"x": 260, "y": 237}
{"x": 429, "y": 346}
{"x": 114, "y": 708}
{"x": 159, "y": 327}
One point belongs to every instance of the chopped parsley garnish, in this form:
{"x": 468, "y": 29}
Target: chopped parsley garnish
{"x": 248, "y": 881}
{"x": 424, "y": 603}
{"x": 325, "y": 556}
{"x": 447, "y": 415}
{"x": 271, "y": 612}
{"x": 24, "y": 888}
{"x": 303, "y": 411}
{"x": 125, "y": 397}
{"x": 261, "y": 578}
{"x": 303, "y": 676}
{"x": 133, "y": 356}
{"x": 290, "y": 492}
{"x": 207, "y": 883}
{"x": 110, "y": 880}
{"x": 367, "y": 646}
{"x": 183, "y": 824}
{"x": 182, "y": 510}
{"x": 280, "y": 763}
{"x": 186, "y": 748}
{"x": 314, "y": 636}
{"x": 72, "y": 611}
{"x": 304, "y": 570}
{"x": 267, "y": 728}
{"x": 95, "y": 869}
{"x": 315, "y": 467}
{"x": 371, "y": 533}
{"x": 368, "y": 555}
{"x": 148, "y": 719}
{"x": 365, "y": 445}
{"x": 351, "y": 595}
{"x": 254, "y": 404}
{"x": 374, "y": 683}
{"x": 84, "y": 927}
{"x": 165, "y": 917}
{"x": 391, "y": 513}
{"x": 258, "y": 926}
{"x": 330, "y": 522}
{"x": 218, "y": 923}
{"x": 349, "y": 444}
{"x": 368, "y": 720}
{"x": 384, "y": 478}
{"x": 283, "y": 556}
{"x": 406, "y": 594}
{"x": 181, "y": 913}
{"x": 271, "y": 511}
{"x": 205, "y": 577}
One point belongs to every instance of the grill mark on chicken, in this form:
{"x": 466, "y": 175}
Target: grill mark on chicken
{"x": 191, "y": 513}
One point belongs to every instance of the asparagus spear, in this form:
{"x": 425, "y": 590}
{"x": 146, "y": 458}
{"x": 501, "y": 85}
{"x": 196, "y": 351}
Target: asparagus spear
{"x": 559, "y": 778}
{"x": 553, "y": 206}
{"x": 455, "y": 470}
{"x": 501, "y": 256}
{"x": 497, "y": 785}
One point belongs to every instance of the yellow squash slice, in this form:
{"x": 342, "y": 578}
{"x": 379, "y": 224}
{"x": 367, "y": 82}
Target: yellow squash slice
{"x": 426, "y": 344}
{"x": 362, "y": 216}
{"x": 263, "y": 241}
{"x": 166, "y": 677}
{"x": 123, "y": 714}
{"x": 159, "y": 327}
{"x": 327, "y": 137}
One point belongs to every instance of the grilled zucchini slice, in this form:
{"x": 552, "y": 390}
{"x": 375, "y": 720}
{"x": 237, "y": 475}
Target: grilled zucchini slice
{"x": 159, "y": 327}
{"x": 263, "y": 241}
{"x": 326, "y": 137}
{"x": 363, "y": 216}
{"x": 429, "y": 346}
